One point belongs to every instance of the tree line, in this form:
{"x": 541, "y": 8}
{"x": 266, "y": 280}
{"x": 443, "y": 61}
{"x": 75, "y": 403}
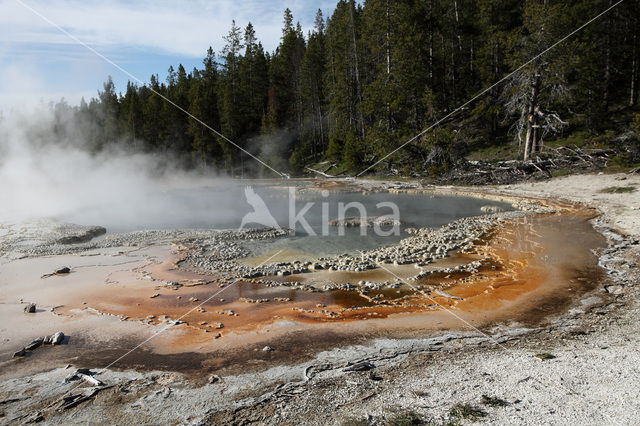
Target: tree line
{"x": 372, "y": 76}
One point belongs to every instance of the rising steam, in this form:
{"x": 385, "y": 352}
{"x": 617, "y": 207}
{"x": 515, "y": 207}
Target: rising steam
{"x": 44, "y": 176}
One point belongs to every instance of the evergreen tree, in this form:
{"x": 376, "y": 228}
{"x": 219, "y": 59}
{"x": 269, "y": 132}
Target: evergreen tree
{"x": 344, "y": 87}
{"x": 206, "y": 147}
{"x": 375, "y": 74}
{"x": 254, "y": 82}
{"x": 107, "y": 109}
{"x": 152, "y": 111}
{"x": 230, "y": 91}
{"x": 312, "y": 91}
{"x": 132, "y": 116}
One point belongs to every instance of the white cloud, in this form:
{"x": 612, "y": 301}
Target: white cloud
{"x": 38, "y": 62}
{"x": 184, "y": 28}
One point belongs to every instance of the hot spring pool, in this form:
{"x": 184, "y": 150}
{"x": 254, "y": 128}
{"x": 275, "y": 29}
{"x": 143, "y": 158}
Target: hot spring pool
{"x": 224, "y": 207}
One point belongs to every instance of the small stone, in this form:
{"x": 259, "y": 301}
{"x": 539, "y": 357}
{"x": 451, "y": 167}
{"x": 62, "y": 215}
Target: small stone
{"x": 36, "y": 343}
{"x": 57, "y": 338}
{"x": 154, "y": 296}
{"x": 63, "y": 270}
{"x": 30, "y": 308}
{"x": 615, "y": 289}
{"x": 267, "y": 349}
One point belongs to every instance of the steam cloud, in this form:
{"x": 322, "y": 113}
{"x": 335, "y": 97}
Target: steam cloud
{"x": 42, "y": 176}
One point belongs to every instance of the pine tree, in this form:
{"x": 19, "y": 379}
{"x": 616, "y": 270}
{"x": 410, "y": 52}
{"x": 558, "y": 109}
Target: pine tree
{"x": 152, "y": 111}
{"x": 375, "y": 74}
{"x": 132, "y": 116}
{"x": 177, "y": 139}
{"x": 204, "y": 105}
{"x": 107, "y": 110}
{"x": 344, "y": 86}
{"x": 254, "y": 82}
{"x": 312, "y": 91}
{"x": 230, "y": 91}
{"x": 497, "y": 23}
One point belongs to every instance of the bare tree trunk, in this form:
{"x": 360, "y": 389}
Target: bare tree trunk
{"x": 471, "y": 56}
{"x": 388, "y": 35}
{"x": 358, "y": 86}
{"x": 453, "y": 73}
{"x": 534, "y": 141}
{"x": 320, "y": 121}
{"x": 530, "y": 143}
{"x": 431, "y": 44}
{"x": 455, "y": 7}
{"x": 388, "y": 43}
{"x": 633, "y": 95}
{"x": 607, "y": 68}
{"x": 527, "y": 143}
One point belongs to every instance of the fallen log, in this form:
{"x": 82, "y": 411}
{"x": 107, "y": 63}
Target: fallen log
{"x": 319, "y": 172}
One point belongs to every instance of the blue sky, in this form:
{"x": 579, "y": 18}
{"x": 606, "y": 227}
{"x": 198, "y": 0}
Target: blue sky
{"x": 40, "y": 63}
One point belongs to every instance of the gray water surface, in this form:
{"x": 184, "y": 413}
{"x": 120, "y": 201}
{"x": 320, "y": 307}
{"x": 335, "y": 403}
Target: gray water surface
{"x": 225, "y": 207}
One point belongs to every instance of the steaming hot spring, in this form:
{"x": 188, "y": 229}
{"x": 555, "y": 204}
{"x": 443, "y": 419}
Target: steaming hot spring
{"x": 221, "y": 266}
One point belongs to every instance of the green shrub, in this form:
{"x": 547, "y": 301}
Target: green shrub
{"x": 624, "y": 159}
{"x": 545, "y": 356}
{"x": 618, "y": 190}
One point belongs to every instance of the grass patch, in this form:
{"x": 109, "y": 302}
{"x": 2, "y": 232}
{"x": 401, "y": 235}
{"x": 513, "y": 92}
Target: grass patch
{"x": 618, "y": 190}
{"x": 494, "y": 153}
{"x": 545, "y": 356}
{"x": 561, "y": 172}
{"x": 466, "y": 411}
{"x": 493, "y": 401}
{"x": 583, "y": 139}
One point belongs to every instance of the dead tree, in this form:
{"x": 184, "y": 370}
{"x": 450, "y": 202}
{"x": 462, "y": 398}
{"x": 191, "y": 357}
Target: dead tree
{"x": 532, "y": 91}
{"x": 533, "y": 110}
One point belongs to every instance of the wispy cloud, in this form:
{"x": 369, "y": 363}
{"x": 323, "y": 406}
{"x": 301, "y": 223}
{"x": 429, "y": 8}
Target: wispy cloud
{"x": 183, "y": 28}
{"x": 38, "y": 62}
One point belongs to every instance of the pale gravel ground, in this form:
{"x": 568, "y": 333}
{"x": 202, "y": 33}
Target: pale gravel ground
{"x": 593, "y": 380}
{"x": 622, "y": 211}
